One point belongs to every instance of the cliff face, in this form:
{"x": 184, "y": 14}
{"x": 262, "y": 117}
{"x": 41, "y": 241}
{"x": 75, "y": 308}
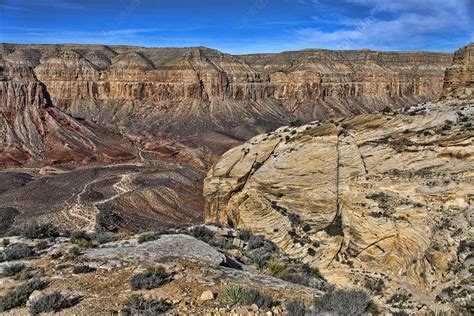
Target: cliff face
{"x": 459, "y": 78}
{"x": 385, "y": 193}
{"x": 34, "y": 131}
{"x": 215, "y": 100}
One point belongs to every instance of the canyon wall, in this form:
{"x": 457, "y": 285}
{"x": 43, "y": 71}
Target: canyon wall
{"x": 35, "y": 131}
{"x": 214, "y": 100}
{"x": 459, "y": 78}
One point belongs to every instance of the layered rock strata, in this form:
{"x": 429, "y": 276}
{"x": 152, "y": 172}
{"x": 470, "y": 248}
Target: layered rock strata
{"x": 207, "y": 98}
{"x": 34, "y": 131}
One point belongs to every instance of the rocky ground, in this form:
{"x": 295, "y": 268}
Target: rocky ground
{"x": 207, "y": 271}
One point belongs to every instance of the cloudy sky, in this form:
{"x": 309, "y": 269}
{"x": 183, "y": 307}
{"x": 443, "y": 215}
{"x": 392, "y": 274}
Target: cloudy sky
{"x": 243, "y": 26}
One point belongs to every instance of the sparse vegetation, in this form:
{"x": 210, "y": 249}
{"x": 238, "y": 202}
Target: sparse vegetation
{"x": 36, "y": 230}
{"x": 79, "y": 269}
{"x": 149, "y": 236}
{"x": 19, "y": 296}
{"x": 295, "y": 308}
{"x": 16, "y": 252}
{"x": 152, "y": 278}
{"x": 138, "y": 305}
{"x": 12, "y": 269}
{"x": 41, "y": 245}
{"x": 253, "y": 296}
{"x": 233, "y": 294}
{"x": 202, "y": 233}
{"x": 53, "y": 302}
{"x": 343, "y": 302}
{"x": 276, "y": 268}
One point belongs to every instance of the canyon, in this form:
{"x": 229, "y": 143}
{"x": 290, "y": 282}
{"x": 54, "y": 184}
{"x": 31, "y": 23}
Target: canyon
{"x": 357, "y": 164}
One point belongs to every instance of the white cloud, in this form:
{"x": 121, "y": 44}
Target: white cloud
{"x": 392, "y": 24}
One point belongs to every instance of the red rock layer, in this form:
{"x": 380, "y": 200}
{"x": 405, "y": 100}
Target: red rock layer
{"x": 35, "y": 132}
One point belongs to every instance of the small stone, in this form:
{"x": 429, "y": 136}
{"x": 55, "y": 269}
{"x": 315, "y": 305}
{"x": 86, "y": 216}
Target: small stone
{"x": 254, "y": 307}
{"x": 238, "y": 243}
{"x": 33, "y": 296}
{"x": 207, "y": 296}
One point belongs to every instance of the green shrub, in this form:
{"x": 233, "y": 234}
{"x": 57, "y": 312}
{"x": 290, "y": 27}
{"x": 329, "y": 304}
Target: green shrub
{"x": 41, "y": 245}
{"x": 150, "y": 279}
{"x": 253, "y": 296}
{"x": 53, "y": 302}
{"x": 16, "y": 252}
{"x": 343, "y": 302}
{"x": 12, "y": 269}
{"x": 295, "y": 308}
{"x": 233, "y": 294}
{"x": 19, "y": 296}
{"x": 276, "y": 268}
{"x": 138, "y": 305}
{"x": 104, "y": 238}
{"x": 150, "y": 236}
{"x": 82, "y": 239}
{"x": 36, "y": 231}
{"x": 202, "y": 233}
{"x": 82, "y": 269}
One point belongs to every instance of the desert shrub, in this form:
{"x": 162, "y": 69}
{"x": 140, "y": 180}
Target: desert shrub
{"x": 19, "y": 296}
{"x": 41, "y": 245}
{"x": 276, "y": 268}
{"x": 74, "y": 252}
{"x": 233, "y": 294}
{"x": 244, "y": 235}
{"x": 151, "y": 236}
{"x": 16, "y": 252}
{"x": 138, "y": 305}
{"x": 343, "y": 302}
{"x": 56, "y": 255}
{"x": 311, "y": 271}
{"x": 82, "y": 239}
{"x": 253, "y": 296}
{"x": 295, "y": 123}
{"x": 259, "y": 256}
{"x": 295, "y": 308}
{"x": 255, "y": 242}
{"x": 83, "y": 269}
{"x": 36, "y": 231}
{"x": 202, "y": 233}
{"x": 53, "y": 302}
{"x": 293, "y": 276}
{"x": 12, "y": 269}
{"x": 104, "y": 238}
{"x": 150, "y": 279}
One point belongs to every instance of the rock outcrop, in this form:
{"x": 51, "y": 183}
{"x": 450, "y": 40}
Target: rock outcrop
{"x": 459, "y": 78}
{"x": 388, "y": 193}
{"x": 214, "y": 100}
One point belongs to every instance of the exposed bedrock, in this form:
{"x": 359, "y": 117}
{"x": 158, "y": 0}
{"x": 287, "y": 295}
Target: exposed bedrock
{"x": 390, "y": 193}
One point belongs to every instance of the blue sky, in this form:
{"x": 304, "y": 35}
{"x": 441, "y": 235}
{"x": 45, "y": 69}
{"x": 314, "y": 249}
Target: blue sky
{"x": 243, "y": 26}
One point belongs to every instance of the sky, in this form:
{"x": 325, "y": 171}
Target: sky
{"x": 243, "y": 26}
